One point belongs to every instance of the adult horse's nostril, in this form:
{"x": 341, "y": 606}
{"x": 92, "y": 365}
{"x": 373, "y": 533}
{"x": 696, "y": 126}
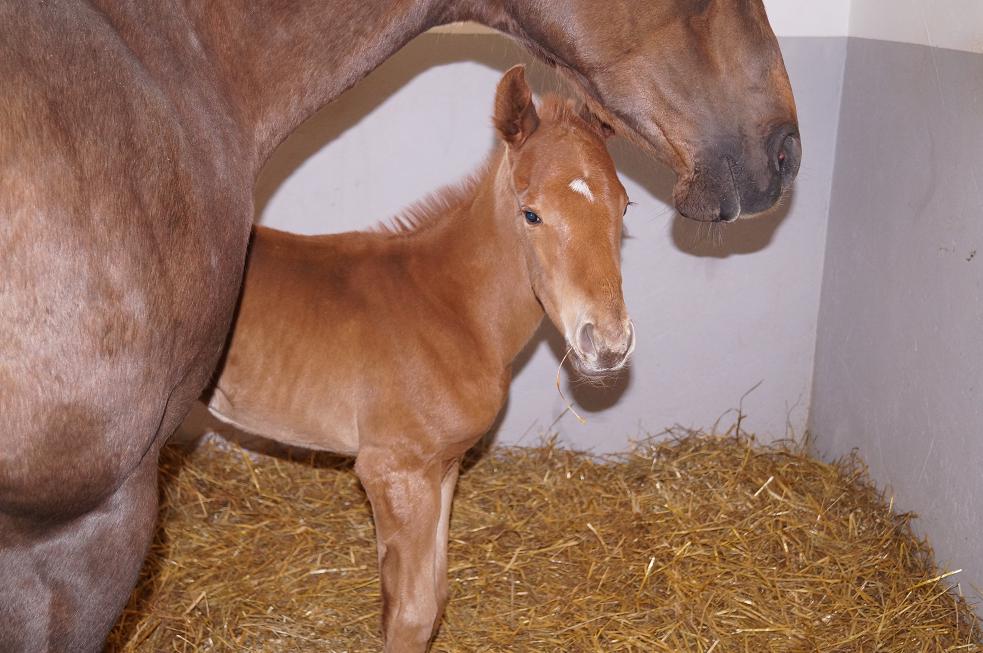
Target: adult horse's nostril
{"x": 585, "y": 340}
{"x": 790, "y": 156}
{"x": 787, "y": 152}
{"x": 730, "y": 207}
{"x": 729, "y": 211}
{"x": 730, "y": 204}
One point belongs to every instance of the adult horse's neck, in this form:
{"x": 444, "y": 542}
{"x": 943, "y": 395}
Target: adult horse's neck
{"x": 472, "y": 258}
{"x": 279, "y": 62}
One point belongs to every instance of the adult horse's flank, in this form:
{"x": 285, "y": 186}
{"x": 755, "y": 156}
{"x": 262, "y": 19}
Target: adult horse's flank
{"x": 131, "y": 133}
{"x": 397, "y": 347}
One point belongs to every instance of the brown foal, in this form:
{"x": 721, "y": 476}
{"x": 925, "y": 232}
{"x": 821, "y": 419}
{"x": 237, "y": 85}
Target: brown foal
{"x": 396, "y": 347}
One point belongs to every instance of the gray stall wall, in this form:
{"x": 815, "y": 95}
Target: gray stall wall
{"x": 716, "y": 312}
{"x": 899, "y": 358}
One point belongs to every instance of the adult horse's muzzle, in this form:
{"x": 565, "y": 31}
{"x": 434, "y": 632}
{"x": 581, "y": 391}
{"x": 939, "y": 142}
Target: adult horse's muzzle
{"x": 601, "y": 351}
{"x": 731, "y": 180}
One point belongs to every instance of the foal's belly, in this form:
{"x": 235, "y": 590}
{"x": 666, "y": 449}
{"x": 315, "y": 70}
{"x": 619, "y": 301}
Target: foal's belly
{"x": 414, "y": 403}
{"x": 334, "y": 429}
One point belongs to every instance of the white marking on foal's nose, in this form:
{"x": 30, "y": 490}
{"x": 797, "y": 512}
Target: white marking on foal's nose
{"x": 580, "y": 186}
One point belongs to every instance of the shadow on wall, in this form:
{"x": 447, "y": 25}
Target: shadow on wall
{"x": 745, "y": 236}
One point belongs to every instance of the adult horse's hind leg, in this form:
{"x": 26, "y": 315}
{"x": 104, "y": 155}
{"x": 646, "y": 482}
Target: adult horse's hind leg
{"x": 62, "y": 585}
{"x": 407, "y": 504}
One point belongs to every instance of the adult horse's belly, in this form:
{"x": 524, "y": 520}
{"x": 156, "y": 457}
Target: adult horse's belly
{"x": 121, "y": 258}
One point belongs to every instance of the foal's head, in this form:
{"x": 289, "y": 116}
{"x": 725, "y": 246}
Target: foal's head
{"x": 568, "y": 204}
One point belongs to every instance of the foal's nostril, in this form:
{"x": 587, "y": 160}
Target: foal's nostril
{"x": 631, "y": 339}
{"x": 585, "y": 340}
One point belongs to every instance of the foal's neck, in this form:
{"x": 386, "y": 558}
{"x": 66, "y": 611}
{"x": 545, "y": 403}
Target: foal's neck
{"x": 473, "y": 259}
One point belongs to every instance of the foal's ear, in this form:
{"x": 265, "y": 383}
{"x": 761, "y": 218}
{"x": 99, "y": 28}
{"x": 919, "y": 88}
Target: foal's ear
{"x": 603, "y": 129}
{"x": 515, "y": 114}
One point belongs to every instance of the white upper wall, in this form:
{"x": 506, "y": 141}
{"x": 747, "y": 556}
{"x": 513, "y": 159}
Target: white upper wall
{"x": 952, "y": 24}
{"x": 809, "y": 17}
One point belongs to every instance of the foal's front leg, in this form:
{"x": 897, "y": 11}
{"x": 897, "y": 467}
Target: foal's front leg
{"x": 411, "y": 500}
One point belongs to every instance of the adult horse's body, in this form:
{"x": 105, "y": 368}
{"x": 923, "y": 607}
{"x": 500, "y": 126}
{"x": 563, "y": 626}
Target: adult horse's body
{"x": 130, "y": 136}
{"x": 397, "y": 347}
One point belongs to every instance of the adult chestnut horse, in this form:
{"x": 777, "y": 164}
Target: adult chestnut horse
{"x": 131, "y": 133}
{"x": 397, "y": 347}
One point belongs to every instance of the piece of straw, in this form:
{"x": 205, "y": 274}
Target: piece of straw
{"x": 569, "y": 405}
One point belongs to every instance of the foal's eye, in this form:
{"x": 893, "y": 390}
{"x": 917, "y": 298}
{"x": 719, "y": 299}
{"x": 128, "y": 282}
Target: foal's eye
{"x": 531, "y": 217}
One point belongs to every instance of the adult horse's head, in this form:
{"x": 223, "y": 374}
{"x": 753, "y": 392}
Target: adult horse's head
{"x": 700, "y": 83}
{"x": 567, "y": 203}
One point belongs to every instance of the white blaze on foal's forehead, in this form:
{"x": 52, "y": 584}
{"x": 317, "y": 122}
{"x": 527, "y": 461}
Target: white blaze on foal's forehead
{"x": 580, "y": 186}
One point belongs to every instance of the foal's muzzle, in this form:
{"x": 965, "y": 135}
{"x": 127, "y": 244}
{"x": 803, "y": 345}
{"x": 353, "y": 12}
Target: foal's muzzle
{"x": 603, "y": 351}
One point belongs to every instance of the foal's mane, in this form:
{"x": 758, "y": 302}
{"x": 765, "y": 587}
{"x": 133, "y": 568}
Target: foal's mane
{"x": 424, "y": 213}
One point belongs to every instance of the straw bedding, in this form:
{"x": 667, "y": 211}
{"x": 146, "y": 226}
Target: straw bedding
{"x": 688, "y": 543}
